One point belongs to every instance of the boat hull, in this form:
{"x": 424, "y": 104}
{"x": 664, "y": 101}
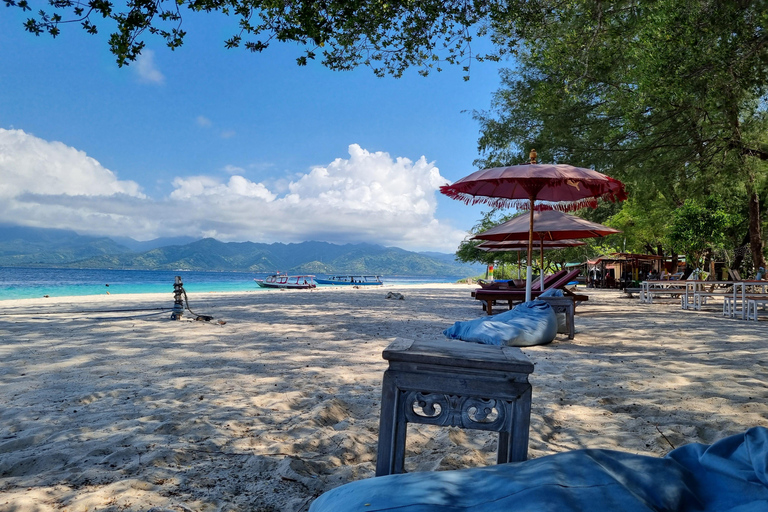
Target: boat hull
{"x": 351, "y": 281}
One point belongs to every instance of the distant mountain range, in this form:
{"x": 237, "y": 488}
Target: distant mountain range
{"x": 39, "y": 247}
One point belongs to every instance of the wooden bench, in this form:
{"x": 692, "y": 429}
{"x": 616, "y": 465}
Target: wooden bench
{"x": 453, "y": 383}
{"x": 631, "y": 291}
{"x": 700, "y": 297}
{"x": 651, "y": 289}
{"x": 753, "y": 301}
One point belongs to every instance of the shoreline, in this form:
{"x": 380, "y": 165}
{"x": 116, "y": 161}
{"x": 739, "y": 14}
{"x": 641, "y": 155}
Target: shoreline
{"x": 280, "y": 403}
{"x": 132, "y": 296}
{"x": 90, "y": 287}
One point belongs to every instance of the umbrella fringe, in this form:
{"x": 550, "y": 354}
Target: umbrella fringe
{"x": 605, "y": 188}
{"x": 524, "y": 204}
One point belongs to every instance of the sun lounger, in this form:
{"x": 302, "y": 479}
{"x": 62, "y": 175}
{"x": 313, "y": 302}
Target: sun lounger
{"x": 496, "y": 285}
{"x": 488, "y": 297}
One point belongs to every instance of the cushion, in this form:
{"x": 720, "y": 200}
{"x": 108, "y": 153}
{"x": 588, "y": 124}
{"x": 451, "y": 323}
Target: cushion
{"x": 729, "y": 476}
{"x": 527, "y": 324}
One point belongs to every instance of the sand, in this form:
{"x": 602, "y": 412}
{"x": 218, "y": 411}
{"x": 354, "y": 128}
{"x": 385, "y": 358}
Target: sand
{"x": 129, "y": 411}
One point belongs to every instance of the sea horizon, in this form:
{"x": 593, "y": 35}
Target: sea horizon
{"x": 38, "y": 282}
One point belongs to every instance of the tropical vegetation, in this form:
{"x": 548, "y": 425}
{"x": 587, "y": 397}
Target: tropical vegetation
{"x": 669, "y": 97}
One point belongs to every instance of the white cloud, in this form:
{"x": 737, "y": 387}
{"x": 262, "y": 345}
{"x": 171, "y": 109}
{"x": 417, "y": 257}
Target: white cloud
{"x": 368, "y": 197}
{"x": 146, "y": 69}
{"x": 237, "y": 187}
{"x": 32, "y": 165}
{"x": 203, "y": 121}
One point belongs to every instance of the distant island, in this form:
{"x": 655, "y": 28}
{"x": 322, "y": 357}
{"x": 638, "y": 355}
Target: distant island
{"x": 39, "y": 247}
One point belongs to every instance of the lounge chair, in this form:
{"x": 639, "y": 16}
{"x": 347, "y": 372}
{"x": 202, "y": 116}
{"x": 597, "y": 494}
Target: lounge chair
{"x": 561, "y": 279}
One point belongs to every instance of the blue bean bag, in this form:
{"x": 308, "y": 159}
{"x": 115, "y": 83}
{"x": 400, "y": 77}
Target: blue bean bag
{"x": 729, "y": 476}
{"x": 527, "y": 324}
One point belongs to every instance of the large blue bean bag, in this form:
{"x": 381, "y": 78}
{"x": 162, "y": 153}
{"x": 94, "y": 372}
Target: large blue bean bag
{"x": 527, "y": 324}
{"x": 728, "y": 476}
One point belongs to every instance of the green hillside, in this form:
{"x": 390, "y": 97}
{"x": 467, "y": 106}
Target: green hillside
{"x": 66, "y": 249}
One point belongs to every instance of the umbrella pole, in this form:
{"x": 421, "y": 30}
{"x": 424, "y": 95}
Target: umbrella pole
{"x": 541, "y": 274}
{"x": 529, "y": 273}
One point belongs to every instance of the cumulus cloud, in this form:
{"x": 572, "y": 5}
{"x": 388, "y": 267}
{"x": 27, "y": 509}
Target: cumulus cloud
{"x": 367, "y": 197}
{"x": 203, "y": 121}
{"x": 146, "y": 69}
{"x": 32, "y": 165}
{"x": 237, "y": 187}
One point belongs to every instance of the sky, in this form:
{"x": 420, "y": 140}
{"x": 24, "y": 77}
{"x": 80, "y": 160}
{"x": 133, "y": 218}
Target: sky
{"x": 209, "y": 142}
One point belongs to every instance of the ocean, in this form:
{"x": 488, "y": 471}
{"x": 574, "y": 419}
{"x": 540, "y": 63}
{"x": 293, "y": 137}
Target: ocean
{"x": 29, "y": 283}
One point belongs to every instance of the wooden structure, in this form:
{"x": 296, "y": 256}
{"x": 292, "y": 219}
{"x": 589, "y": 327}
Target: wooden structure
{"x": 453, "y": 383}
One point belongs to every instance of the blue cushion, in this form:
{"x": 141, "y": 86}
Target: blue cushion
{"x": 527, "y": 324}
{"x": 728, "y": 476}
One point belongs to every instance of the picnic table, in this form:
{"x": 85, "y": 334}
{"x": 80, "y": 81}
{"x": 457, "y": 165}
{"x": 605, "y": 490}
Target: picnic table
{"x": 697, "y": 292}
{"x": 658, "y": 288}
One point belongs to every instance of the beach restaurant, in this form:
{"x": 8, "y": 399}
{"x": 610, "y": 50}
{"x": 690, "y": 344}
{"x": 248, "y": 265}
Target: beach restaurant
{"x": 622, "y": 269}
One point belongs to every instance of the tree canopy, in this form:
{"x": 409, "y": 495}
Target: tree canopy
{"x": 669, "y": 96}
{"x": 389, "y": 36}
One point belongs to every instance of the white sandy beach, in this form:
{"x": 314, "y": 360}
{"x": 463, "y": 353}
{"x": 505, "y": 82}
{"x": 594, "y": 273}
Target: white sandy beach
{"x": 120, "y": 411}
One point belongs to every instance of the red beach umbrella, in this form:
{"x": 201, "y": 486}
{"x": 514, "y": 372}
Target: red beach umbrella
{"x": 548, "y": 226}
{"x": 522, "y": 245}
{"x": 553, "y": 186}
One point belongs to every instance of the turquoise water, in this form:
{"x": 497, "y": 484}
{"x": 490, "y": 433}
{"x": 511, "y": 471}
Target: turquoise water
{"x": 29, "y": 283}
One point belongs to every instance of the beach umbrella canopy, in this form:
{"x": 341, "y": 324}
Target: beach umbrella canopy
{"x": 548, "y": 225}
{"x": 535, "y": 186}
{"x": 522, "y": 245}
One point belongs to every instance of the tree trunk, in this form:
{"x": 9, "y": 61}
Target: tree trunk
{"x": 755, "y": 231}
{"x": 739, "y": 252}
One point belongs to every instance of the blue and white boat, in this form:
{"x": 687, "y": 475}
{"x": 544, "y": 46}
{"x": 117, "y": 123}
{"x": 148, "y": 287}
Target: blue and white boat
{"x": 286, "y": 281}
{"x": 351, "y": 280}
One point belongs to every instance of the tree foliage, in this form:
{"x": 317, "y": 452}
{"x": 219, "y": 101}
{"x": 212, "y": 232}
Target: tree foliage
{"x": 669, "y": 96}
{"x": 698, "y": 228}
{"x": 387, "y": 35}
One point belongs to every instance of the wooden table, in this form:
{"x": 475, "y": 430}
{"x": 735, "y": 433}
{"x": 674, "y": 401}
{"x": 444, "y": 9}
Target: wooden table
{"x": 453, "y": 383}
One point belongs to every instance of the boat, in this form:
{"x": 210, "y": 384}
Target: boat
{"x": 351, "y": 280}
{"x": 286, "y": 281}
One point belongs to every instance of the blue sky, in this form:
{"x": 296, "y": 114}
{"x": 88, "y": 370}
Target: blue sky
{"x": 204, "y": 141}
